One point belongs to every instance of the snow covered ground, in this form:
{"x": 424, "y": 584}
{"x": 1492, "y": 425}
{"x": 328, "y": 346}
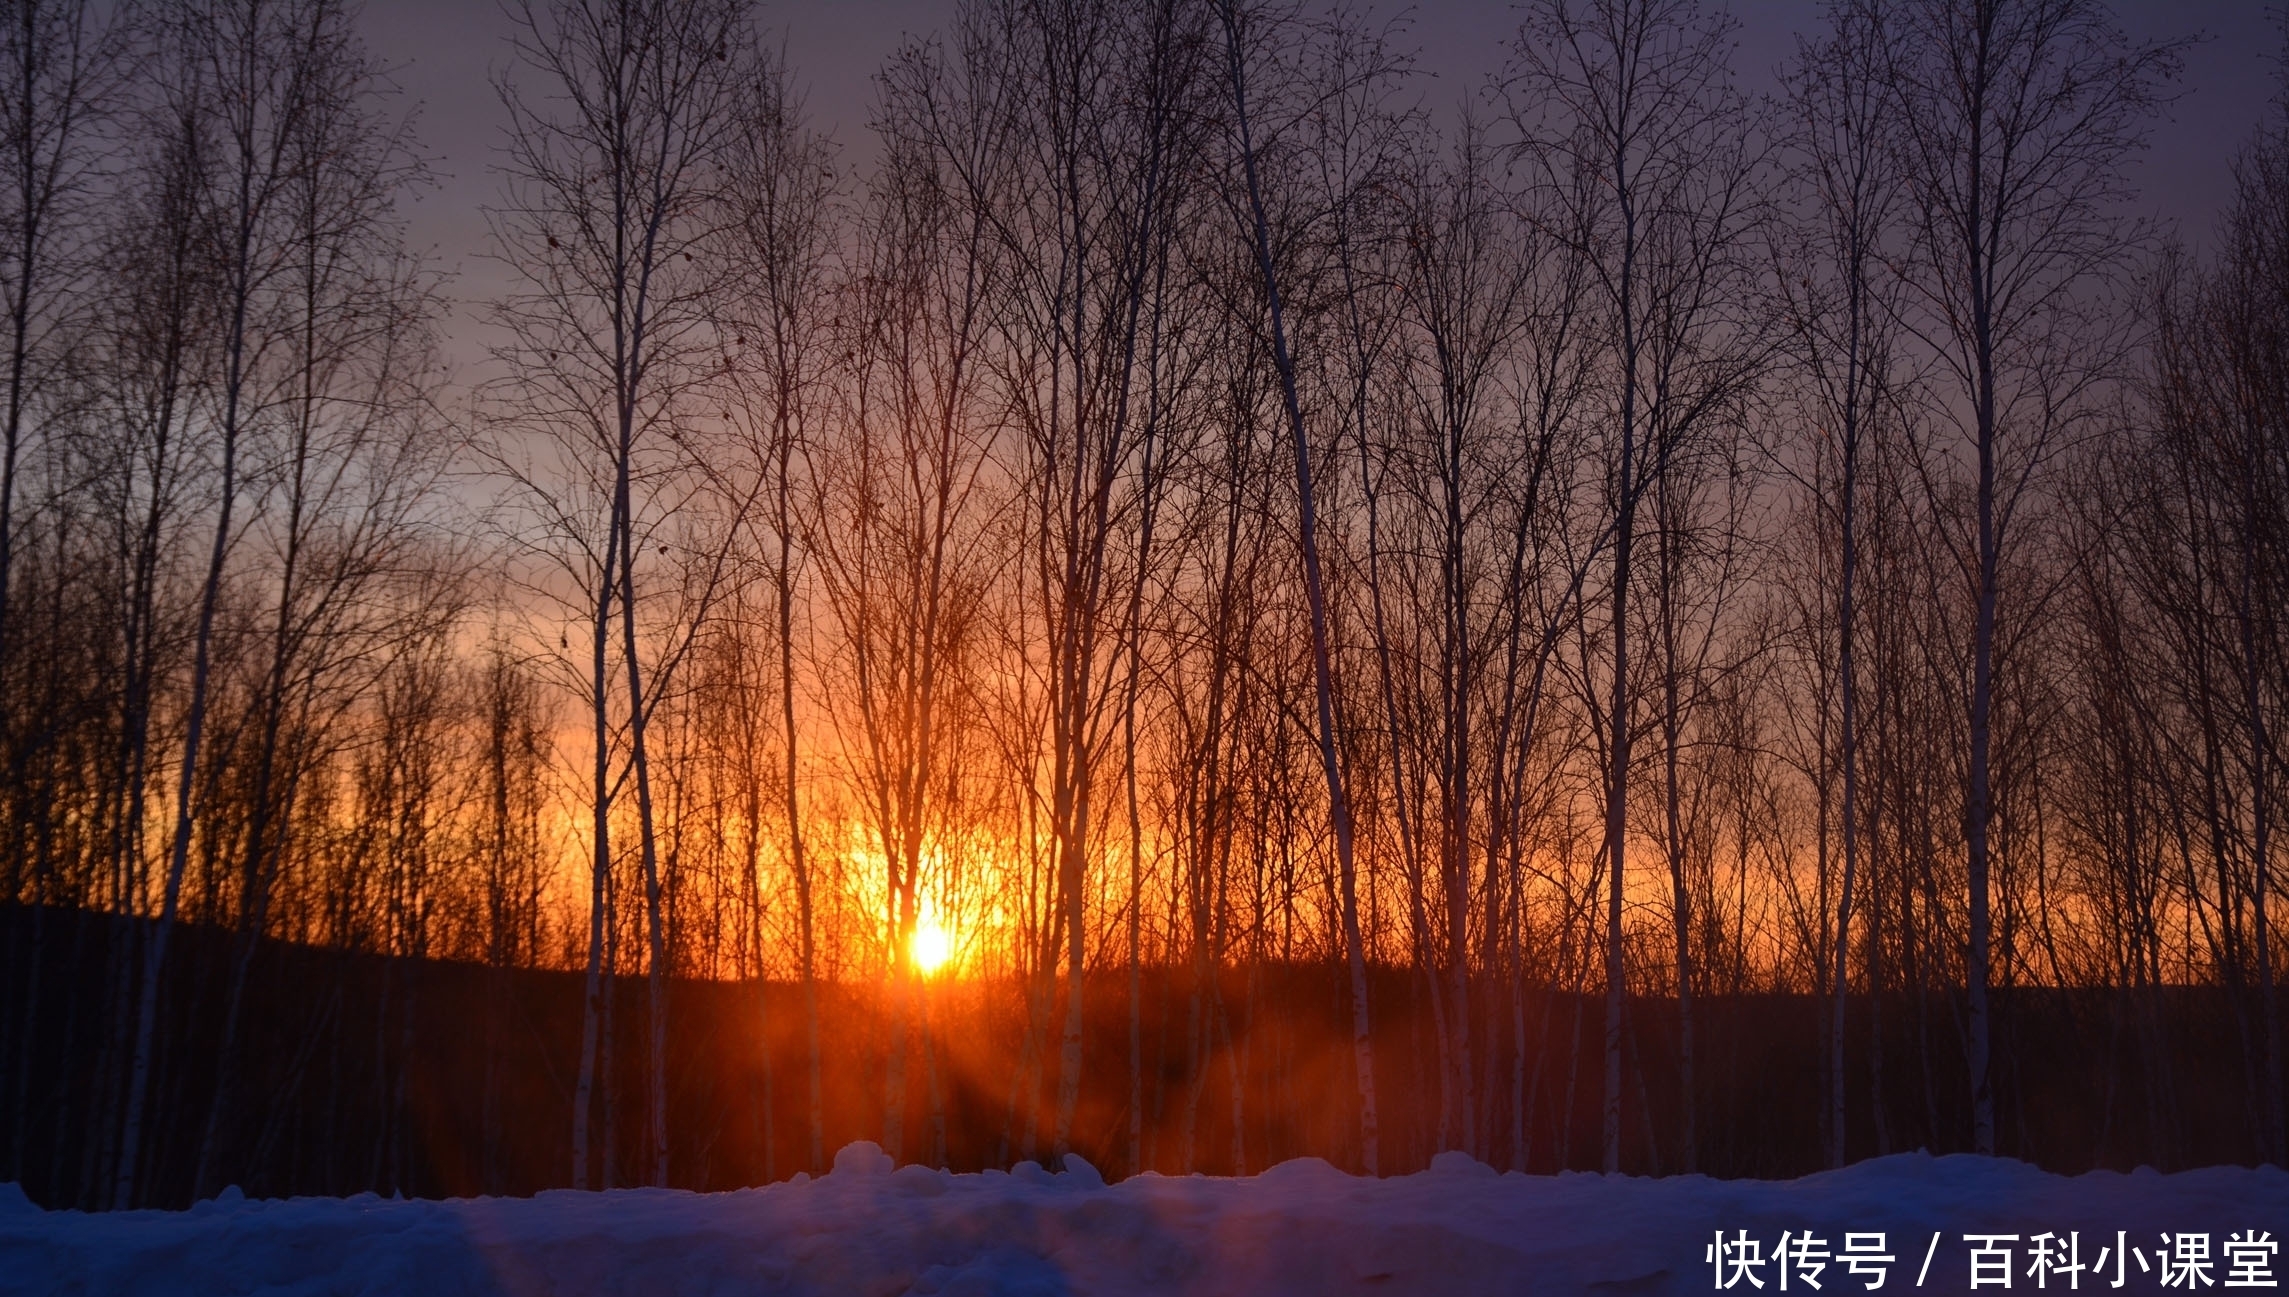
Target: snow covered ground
{"x": 1302, "y": 1227}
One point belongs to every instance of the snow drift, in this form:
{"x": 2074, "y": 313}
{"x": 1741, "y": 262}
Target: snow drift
{"x": 1301, "y": 1227}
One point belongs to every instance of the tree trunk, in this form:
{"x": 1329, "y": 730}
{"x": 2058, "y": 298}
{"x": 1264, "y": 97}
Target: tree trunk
{"x": 1323, "y": 684}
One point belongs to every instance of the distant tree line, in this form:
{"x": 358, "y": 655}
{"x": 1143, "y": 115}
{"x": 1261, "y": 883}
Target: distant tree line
{"x": 1192, "y": 507}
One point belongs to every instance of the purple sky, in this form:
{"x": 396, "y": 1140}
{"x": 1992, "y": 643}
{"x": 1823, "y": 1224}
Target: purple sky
{"x": 445, "y": 51}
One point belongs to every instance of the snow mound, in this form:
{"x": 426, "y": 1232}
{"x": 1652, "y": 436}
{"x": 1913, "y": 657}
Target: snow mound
{"x": 1301, "y": 1227}
{"x": 863, "y": 1158}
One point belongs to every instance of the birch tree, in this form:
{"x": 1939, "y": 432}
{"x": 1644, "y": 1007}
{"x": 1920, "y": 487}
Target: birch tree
{"x": 779, "y": 228}
{"x": 251, "y": 83}
{"x": 614, "y": 159}
{"x": 1640, "y": 144}
{"x": 1837, "y": 302}
{"x": 2016, "y": 122}
{"x": 1251, "y": 40}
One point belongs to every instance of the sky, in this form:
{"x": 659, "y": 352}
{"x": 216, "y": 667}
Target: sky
{"x": 445, "y": 54}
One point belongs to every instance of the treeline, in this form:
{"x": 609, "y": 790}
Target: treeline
{"x": 1192, "y": 505}
{"x": 445, "y": 1078}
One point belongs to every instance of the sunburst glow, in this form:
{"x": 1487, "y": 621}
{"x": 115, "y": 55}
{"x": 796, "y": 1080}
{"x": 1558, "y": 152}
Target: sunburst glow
{"x": 933, "y": 946}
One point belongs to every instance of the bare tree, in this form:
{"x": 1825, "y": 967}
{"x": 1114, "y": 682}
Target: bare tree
{"x": 1641, "y": 144}
{"x": 2205, "y": 568}
{"x": 1101, "y": 126}
{"x": 608, "y": 206}
{"x": 61, "y": 67}
{"x": 1836, "y": 302}
{"x": 1250, "y": 38}
{"x": 252, "y": 83}
{"x": 2016, "y": 121}
{"x": 781, "y": 192}
{"x": 355, "y": 458}
{"x": 901, "y": 526}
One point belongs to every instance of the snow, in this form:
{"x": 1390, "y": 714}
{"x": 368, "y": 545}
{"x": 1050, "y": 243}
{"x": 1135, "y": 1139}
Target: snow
{"x": 1301, "y": 1227}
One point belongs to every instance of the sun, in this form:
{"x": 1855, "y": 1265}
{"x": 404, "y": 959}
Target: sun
{"x": 933, "y": 946}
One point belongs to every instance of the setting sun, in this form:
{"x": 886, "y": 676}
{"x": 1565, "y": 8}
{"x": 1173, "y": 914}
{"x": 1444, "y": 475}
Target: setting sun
{"x": 933, "y": 946}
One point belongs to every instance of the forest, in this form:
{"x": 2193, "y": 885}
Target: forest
{"x": 1207, "y": 601}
